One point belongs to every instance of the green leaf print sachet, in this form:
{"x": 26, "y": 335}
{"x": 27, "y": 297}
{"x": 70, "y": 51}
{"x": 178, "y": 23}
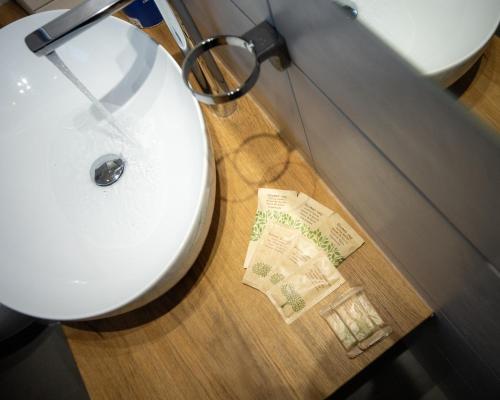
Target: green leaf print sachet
{"x": 290, "y": 230}
{"x": 300, "y": 291}
{"x": 271, "y": 204}
{"x": 276, "y": 240}
{"x": 287, "y": 208}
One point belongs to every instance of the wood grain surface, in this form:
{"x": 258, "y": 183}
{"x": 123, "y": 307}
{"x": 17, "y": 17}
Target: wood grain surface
{"x": 213, "y": 337}
{"x": 10, "y": 12}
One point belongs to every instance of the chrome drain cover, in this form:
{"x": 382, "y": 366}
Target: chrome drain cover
{"x": 107, "y": 169}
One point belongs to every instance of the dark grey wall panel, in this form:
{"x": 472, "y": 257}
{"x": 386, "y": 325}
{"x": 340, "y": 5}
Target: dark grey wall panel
{"x": 273, "y": 90}
{"x": 446, "y": 154}
{"x": 417, "y": 172}
{"x": 443, "y": 266}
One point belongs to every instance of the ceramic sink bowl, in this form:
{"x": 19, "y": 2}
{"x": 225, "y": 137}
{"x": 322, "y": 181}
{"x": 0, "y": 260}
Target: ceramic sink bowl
{"x": 70, "y": 249}
{"x": 441, "y": 38}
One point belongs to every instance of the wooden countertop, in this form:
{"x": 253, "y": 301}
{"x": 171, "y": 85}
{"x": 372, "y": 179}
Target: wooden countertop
{"x": 213, "y": 337}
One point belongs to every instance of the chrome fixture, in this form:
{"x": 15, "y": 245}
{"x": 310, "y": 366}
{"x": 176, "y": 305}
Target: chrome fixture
{"x": 63, "y": 28}
{"x": 107, "y": 169}
{"x": 351, "y": 11}
{"x": 194, "y": 36}
{"x": 262, "y": 42}
{"x": 349, "y": 7}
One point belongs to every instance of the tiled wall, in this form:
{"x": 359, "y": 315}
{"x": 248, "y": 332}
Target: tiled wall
{"x": 273, "y": 89}
{"x": 419, "y": 174}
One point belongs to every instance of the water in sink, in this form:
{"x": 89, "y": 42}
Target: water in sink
{"x": 128, "y": 137}
{"x": 122, "y": 138}
{"x": 118, "y": 129}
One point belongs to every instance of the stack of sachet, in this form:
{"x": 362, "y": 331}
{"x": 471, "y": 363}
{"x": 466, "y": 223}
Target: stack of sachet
{"x": 295, "y": 248}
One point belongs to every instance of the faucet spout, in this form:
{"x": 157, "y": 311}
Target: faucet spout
{"x": 58, "y": 31}
{"x": 55, "y": 33}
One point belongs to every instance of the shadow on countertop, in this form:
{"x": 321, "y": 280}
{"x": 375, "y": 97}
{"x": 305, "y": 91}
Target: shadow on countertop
{"x": 165, "y": 303}
{"x": 459, "y": 87}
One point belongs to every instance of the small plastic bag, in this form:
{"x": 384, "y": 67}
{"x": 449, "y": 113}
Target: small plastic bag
{"x": 355, "y": 321}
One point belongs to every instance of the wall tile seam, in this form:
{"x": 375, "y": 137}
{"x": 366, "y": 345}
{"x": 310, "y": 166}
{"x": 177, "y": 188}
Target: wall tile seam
{"x": 309, "y": 154}
{"x": 299, "y": 131}
{"x": 243, "y": 12}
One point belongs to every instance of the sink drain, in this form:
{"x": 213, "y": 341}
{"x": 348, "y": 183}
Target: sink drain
{"x": 107, "y": 169}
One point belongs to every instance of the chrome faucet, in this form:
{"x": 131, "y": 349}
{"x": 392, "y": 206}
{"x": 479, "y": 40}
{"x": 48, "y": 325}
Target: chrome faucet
{"x": 73, "y": 22}
{"x": 55, "y": 33}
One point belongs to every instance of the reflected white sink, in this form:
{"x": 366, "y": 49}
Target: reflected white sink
{"x": 441, "y": 38}
{"x": 68, "y": 248}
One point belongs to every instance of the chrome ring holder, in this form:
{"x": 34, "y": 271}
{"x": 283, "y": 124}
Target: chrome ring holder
{"x": 263, "y": 42}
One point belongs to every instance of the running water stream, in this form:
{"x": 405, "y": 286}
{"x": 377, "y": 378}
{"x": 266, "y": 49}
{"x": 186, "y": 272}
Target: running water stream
{"x": 118, "y": 129}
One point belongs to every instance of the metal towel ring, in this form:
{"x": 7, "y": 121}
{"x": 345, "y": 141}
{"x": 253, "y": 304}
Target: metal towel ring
{"x": 263, "y": 42}
{"x": 205, "y": 46}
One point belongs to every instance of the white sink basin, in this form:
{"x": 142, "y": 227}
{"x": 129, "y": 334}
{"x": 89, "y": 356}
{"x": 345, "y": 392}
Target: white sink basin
{"x": 70, "y": 249}
{"x": 441, "y": 38}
